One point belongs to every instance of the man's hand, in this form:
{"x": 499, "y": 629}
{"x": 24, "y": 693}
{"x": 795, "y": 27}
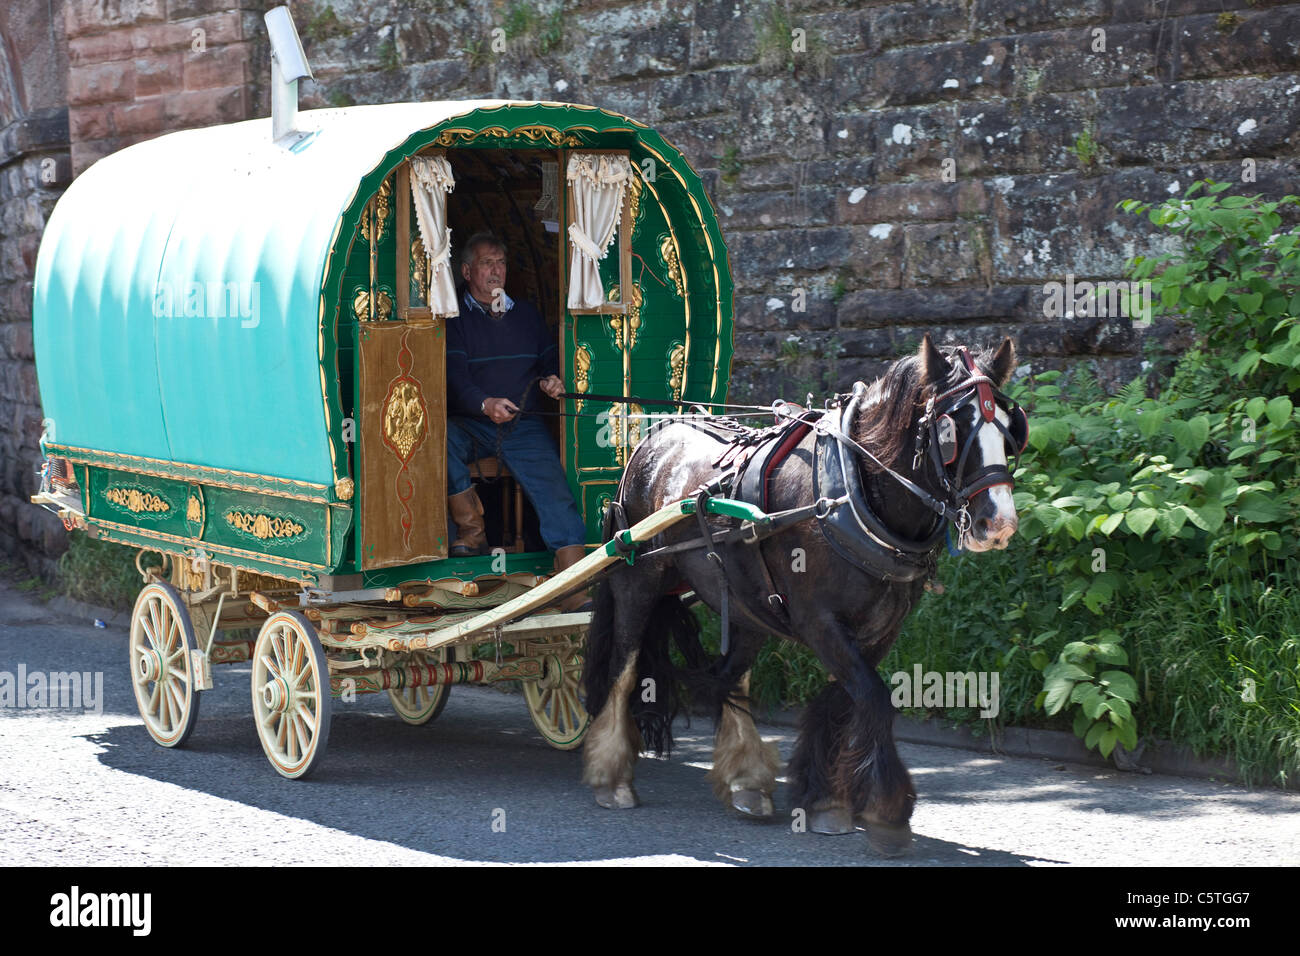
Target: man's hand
{"x": 500, "y": 410}
{"x": 552, "y": 386}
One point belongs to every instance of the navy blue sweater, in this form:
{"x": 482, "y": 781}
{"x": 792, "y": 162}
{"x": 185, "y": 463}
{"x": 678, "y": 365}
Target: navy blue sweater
{"x": 496, "y": 357}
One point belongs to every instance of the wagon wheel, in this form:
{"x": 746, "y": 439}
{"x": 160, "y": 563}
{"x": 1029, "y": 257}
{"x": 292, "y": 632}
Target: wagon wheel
{"x": 291, "y": 694}
{"x": 553, "y": 702}
{"x": 162, "y": 637}
{"x": 419, "y": 705}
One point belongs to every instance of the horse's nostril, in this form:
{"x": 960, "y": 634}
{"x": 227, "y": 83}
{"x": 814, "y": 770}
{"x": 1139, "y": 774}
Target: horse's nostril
{"x": 984, "y": 526}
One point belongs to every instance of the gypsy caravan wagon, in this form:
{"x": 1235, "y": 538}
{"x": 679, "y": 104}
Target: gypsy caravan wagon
{"x": 240, "y": 343}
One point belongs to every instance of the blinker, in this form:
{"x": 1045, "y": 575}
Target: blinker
{"x": 947, "y": 432}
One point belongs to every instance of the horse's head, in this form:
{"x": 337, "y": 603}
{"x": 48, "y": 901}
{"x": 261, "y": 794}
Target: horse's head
{"x": 966, "y": 434}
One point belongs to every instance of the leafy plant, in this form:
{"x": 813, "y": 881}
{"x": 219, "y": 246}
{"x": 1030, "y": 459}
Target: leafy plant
{"x": 1133, "y": 495}
{"x": 1104, "y": 700}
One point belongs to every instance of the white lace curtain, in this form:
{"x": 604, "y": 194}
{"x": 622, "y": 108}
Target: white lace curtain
{"x": 431, "y": 180}
{"x": 599, "y": 182}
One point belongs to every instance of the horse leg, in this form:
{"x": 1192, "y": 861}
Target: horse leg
{"x": 884, "y": 794}
{"x": 846, "y": 767}
{"x": 744, "y": 767}
{"x": 816, "y": 754}
{"x": 623, "y": 604}
{"x": 613, "y": 742}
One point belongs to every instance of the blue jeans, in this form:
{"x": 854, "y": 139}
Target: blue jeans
{"x": 530, "y": 454}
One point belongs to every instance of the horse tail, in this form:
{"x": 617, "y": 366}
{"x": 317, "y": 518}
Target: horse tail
{"x": 657, "y": 698}
{"x": 709, "y": 685}
{"x": 598, "y": 675}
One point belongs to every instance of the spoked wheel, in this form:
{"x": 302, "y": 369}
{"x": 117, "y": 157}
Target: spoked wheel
{"x": 419, "y": 705}
{"x": 162, "y": 637}
{"x": 553, "y": 701}
{"x": 291, "y": 694}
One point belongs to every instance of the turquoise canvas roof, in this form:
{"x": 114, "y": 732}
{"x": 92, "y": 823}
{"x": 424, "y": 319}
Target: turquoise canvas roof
{"x": 178, "y": 290}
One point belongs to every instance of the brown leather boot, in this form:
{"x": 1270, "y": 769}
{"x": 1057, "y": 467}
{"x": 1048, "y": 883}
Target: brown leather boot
{"x": 467, "y": 511}
{"x": 566, "y": 558}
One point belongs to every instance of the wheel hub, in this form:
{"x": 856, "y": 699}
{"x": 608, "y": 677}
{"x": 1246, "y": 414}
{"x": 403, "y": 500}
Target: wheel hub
{"x": 149, "y": 664}
{"x": 275, "y": 694}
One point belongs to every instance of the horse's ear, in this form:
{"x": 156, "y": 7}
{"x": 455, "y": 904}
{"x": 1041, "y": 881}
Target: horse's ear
{"x": 1004, "y": 362}
{"x": 934, "y": 367}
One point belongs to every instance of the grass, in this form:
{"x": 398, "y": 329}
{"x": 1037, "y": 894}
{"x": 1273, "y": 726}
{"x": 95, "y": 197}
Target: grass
{"x": 99, "y": 572}
{"x": 1201, "y": 652}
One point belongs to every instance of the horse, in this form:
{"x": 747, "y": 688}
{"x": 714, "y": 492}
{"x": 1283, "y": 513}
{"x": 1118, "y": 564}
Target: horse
{"x": 868, "y": 490}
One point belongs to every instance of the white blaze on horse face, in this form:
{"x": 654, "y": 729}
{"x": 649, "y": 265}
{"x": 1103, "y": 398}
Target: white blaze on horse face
{"x": 993, "y": 451}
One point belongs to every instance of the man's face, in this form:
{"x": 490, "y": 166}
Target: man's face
{"x": 487, "y": 273}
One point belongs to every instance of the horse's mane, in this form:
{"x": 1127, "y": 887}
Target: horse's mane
{"x": 886, "y": 413}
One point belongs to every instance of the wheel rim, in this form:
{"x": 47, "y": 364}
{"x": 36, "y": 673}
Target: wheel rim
{"x": 554, "y": 702}
{"x": 161, "y": 639}
{"x": 419, "y": 705}
{"x": 291, "y": 695}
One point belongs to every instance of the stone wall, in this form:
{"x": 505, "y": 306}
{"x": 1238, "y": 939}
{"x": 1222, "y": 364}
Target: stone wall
{"x": 34, "y": 171}
{"x": 880, "y": 168}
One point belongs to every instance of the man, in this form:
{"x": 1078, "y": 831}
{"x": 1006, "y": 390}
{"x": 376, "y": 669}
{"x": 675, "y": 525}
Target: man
{"x": 496, "y": 348}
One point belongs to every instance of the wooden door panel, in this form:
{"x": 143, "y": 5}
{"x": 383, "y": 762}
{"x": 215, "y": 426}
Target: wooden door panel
{"x": 403, "y": 443}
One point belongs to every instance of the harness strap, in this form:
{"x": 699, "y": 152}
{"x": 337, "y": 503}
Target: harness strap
{"x": 701, "y": 509}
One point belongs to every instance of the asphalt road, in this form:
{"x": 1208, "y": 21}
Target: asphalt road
{"x": 93, "y": 789}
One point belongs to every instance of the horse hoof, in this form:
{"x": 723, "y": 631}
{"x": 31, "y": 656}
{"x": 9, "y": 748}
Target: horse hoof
{"x": 832, "y": 821}
{"x": 752, "y": 803}
{"x": 889, "y": 840}
{"x": 621, "y": 797}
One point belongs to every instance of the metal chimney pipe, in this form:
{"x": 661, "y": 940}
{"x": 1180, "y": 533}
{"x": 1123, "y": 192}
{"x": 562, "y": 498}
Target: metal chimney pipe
{"x": 288, "y": 66}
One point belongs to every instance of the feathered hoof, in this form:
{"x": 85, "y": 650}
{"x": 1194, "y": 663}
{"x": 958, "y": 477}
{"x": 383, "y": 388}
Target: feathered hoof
{"x": 754, "y": 804}
{"x": 890, "y": 840}
{"x": 619, "y": 797}
{"x": 832, "y": 821}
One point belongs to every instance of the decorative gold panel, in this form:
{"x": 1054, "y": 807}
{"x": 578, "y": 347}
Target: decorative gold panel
{"x": 135, "y": 500}
{"x": 263, "y": 526}
{"x": 402, "y": 443}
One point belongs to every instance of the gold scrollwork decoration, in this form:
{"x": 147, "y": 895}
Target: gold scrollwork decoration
{"x": 135, "y": 500}
{"x": 405, "y": 421}
{"x": 263, "y": 526}
{"x": 668, "y": 249}
{"x": 633, "y": 318}
{"x": 538, "y": 134}
{"x": 581, "y": 373}
{"x": 382, "y": 206}
{"x": 676, "y": 370}
{"x": 194, "y": 510}
{"x": 635, "y": 187}
{"x": 625, "y": 429}
{"x": 383, "y": 306}
{"x": 420, "y": 269}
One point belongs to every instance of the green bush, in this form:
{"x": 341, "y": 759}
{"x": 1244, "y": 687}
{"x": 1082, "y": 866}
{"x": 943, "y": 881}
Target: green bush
{"x": 1135, "y": 502}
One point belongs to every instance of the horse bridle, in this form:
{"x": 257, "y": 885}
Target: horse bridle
{"x": 937, "y": 434}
